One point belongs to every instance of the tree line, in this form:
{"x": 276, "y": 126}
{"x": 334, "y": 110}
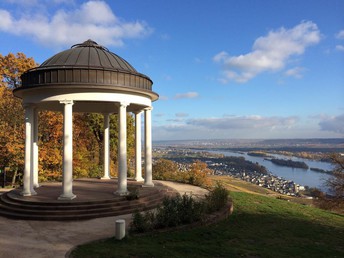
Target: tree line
{"x": 88, "y": 132}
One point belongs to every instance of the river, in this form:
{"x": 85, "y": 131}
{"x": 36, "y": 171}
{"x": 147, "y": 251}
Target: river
{"x": 298, "y": 175}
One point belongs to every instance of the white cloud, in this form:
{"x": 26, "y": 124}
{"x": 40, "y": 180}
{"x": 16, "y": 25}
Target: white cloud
{"x": 340, "y": 34}
{"x": 244, "y": 122}
{"x": 167, "y": 77}
{"x": 227, "y": 127}
{"x": 6, "y": 20}
{"x": 181, "y": 114}
{"x": 188, "y": 95}
{"x": 269, "y": 53}
{"x": 296, "y": 72}
{"x": 23, "y": 2}
{"x": 333, "y": 124}
{"x": 165, "y": 36}
{"x": 163, "y": 98}
{"x": 93, "y": 19}
{"x": 340, "y": 47}
{"x": 159, "y": 114}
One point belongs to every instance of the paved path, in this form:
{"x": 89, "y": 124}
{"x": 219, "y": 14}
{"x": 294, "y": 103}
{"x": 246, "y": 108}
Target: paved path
{"x": 40, "y": 239}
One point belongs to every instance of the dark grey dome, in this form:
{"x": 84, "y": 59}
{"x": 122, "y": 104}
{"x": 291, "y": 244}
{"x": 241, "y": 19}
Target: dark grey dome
{"x": 88, "y": 65}
{"x": 89, "y": 54}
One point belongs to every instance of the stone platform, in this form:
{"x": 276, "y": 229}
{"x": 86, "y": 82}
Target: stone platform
{"x": 95, "y": 199}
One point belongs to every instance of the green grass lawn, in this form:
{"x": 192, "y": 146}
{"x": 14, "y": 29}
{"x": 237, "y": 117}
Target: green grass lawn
{"x": 260, "y": 226}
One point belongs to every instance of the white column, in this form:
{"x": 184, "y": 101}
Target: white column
{"x": 28, "y": 168}
{"x": 148, "y": 147}
{"x": 67, "y": 183}
{"x": 122, "y": 150}
{"x": 35, "y": 150}
{"x": 106, "y": 144}
{"x": 138, "y": 154}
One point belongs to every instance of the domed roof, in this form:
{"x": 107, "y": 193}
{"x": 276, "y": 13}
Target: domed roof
{"x": 87, "y": 65}
{"x": 89, "y": 54}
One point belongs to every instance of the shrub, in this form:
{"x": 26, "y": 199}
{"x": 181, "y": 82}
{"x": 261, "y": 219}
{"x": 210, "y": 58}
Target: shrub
{"x": 217, "y": 198}
{"x": 190, "y": 210}
{"x": 167, "y": 213}
{"x": 133, "y": 194}
{"x": 180, "y": 210}
{"x": 142, "y": 222}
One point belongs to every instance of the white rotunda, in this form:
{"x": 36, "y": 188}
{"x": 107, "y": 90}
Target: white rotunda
{"x": 87, "y": 78}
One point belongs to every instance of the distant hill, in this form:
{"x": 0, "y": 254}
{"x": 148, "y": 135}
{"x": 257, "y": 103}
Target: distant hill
{"x": 313, "y": 144}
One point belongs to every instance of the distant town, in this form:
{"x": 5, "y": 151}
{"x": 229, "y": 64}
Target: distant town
{"x": 232, "y": 166}
{"x": 186, "y": 152}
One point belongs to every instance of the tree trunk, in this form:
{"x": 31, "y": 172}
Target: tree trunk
{"x": 101, "y": 154}
{"x": 14, "y": 176}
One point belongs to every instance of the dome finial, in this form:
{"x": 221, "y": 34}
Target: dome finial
{"x": 90, "y": 43}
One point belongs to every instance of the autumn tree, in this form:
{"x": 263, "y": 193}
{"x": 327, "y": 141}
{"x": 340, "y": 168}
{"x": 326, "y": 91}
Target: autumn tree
{"x": 85, "y": 149}
{"x": 164, "y": 169}
{"x": 95, "y": 123}
{"x": 198, "y": 173}
{"x": 11, "y": 68}
{"x": 11, "y": 111}
{"x": 87, "y": 129}
{"x": 336, "y": 181}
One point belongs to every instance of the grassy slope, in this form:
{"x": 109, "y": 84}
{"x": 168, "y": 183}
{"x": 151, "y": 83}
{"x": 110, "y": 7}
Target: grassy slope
{"x": 260, "y": 226}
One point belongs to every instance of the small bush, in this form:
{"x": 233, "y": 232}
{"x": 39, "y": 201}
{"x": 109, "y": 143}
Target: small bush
{"x": 217, "y": 198}
{"x": 133, "y": 194}
{"x": 142, "y": 222}
{"x": 167, "y": 213}
{"x": 180, "y": 210}
{"x": 190, "y": 210}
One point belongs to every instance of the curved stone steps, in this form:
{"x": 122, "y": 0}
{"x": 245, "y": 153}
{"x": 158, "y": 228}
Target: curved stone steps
{"x": 80, "y": 208}
{"x": 12, "y": 200}
{"x": 14, "y": 206}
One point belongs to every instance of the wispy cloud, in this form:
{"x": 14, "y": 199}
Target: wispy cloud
{"x": 227, "y": 127}
{"x": 332, "y": 124}
{"x": 244, "y": 122}
{"x": 165, "y": 36}
{"x": 269, "y": 53}
{"x": 163, "y": 98}
{"x": 159, "y": 114}
{"x": 340, "y": 47}
{"x": 340, "y": 35}
{"x": 296, "y": 72}
{"x": 181, "y": 114}
{"x": 92, "y": 19}
{"x": 187, "y": 95}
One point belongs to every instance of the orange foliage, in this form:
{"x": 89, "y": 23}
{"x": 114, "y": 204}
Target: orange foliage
{"x": 196, "y": 174}
{"x": 86, "y": 145}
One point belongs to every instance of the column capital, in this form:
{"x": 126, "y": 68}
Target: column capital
{"x": 137, "y": 112}
{"x": 148, "y": 108}
{"x": 124, "y": 104}
{"x": 67, "y": 102}
{"x": 28, "y": 105}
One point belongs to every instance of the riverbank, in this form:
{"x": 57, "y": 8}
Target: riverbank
{"x": 311, "y": 178}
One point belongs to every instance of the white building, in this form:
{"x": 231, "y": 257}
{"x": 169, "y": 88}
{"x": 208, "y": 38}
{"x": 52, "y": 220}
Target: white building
{"x": 87, "y": 78}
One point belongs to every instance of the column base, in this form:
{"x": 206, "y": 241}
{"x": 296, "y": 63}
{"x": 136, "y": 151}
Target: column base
{"x": 121, "y": 193}
{"x": 31, "y": 193}
{"x": 139, "y": 179}
{"x": 105, "y": 178}
{"x": 36, "y": 186}
{"x": 66, "y": 197}
{"x": 148, "y": 185}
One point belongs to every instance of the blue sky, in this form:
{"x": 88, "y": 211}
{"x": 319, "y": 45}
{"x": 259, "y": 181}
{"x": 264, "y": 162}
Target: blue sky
{"x": 223, "y": 69}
